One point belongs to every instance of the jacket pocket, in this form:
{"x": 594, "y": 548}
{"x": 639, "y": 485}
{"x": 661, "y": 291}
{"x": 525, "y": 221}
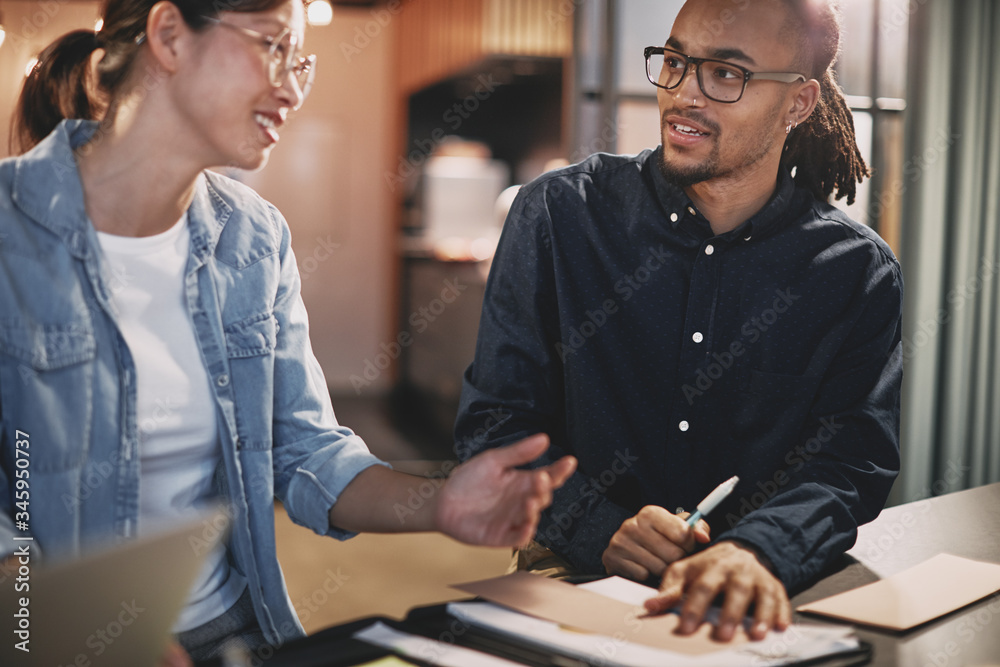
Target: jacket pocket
{"x": 46, "y": 388}
{"x": 250, "y": 345}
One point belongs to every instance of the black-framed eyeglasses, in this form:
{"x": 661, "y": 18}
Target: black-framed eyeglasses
{"x": 666, "y": 68}
{"x": 283, "y": 56}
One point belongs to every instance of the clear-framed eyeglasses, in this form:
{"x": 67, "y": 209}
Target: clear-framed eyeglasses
{"x": 283, "y": 56}
{"x": 726, "y": 81}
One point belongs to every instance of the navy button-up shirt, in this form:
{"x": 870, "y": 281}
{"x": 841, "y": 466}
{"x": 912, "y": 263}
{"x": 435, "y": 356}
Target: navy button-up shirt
{"x": 667, "y": 359}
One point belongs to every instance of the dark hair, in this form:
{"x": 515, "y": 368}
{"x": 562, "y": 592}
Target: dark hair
{"x": 823, "y": 150}
{"x": 62, "y": 84}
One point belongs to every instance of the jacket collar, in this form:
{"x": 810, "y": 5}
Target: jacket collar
{"x": 47, "y": 188}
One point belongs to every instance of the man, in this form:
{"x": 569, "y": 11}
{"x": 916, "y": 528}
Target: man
{"x": 697, "y": 312}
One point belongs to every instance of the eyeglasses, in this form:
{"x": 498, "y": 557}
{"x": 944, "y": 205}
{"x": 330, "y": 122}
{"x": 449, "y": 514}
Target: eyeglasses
{"x": 283, "y": 56}
{"x": 666, "y": 68}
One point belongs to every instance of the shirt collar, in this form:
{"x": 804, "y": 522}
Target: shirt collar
{"x": 677, "y": 206}
{"x": 48, "y": 189}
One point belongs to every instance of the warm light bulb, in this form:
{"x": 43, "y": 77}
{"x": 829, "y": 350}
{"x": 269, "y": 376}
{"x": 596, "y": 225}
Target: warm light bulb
{"x": 3, "y": 34}
{"x": 320, "y": 12}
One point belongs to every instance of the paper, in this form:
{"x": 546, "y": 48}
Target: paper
{"x": 428, "y": 650}
{"x": 922, "y": 593}
{"x": 798, "y": 643}
{"x": 578, "y": 608}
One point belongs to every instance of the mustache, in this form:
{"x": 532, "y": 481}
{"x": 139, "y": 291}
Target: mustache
{"x": 690, "y": 115}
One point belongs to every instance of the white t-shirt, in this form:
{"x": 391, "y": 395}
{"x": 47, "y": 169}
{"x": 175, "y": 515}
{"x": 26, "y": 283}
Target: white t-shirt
{"x": 178, "y": 432}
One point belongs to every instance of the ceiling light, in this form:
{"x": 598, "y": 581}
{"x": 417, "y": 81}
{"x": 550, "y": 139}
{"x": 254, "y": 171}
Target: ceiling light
{"x": 319, "y": 12}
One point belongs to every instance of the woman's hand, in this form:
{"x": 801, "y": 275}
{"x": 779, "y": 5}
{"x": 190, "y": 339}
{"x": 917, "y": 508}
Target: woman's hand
{"x": 489, "y": 501}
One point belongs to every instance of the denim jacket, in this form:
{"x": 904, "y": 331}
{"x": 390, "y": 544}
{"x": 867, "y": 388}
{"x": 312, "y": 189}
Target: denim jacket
{"x": 68, "y": 382}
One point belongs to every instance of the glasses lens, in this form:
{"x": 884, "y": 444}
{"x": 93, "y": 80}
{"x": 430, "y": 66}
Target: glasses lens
{"x": 665, "y": 70}
{"x": 305, "y": 74}
{"x": 720, "y": 81}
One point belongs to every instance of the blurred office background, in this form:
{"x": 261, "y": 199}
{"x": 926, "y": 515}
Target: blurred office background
{"x": 394, "y": 175}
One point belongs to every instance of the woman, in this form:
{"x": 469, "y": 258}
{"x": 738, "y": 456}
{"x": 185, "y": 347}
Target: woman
{"x": 153, "y": 343}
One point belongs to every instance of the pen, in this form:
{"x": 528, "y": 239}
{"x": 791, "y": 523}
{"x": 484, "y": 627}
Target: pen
{"x": 713, "y": 499}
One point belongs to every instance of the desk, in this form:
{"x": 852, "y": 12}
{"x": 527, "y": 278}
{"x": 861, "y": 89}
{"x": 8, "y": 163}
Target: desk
{"x": 966, "y": 523}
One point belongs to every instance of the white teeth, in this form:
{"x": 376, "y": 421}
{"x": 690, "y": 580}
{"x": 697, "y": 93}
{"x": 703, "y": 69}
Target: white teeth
{"x": 687, "y": 130}
{"x": 265, "y": 121}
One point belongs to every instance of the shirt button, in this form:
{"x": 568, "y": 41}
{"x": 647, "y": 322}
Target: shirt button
{"x": 697, "y": 337}
{"x": 709, "y": 249}
{"x": 222, "y": 380}
{"x": 684, "y": 426}
{"x": 692, "y": 211}
{"x": 673, "y": 217}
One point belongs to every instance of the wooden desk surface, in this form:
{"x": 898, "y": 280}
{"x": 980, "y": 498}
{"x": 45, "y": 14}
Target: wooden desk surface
{"x": 966, "y": 523}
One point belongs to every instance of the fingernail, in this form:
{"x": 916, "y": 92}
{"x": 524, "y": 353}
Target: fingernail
{"x": 760, "y": 629}
{"x": 726, "y": 630}
{"x": 689, "y": 624}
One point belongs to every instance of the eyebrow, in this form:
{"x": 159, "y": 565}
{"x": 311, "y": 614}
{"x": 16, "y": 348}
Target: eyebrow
{"x": 716, "y": 54}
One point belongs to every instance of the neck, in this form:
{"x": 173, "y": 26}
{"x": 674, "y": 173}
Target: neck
{"x": 134, "y": 182}
{"x": 729, "y": 201}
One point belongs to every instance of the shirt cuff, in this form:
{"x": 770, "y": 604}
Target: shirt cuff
{"x": 315, "y": 487}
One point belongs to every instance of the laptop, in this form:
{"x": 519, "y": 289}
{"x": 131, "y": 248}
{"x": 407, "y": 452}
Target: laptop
{"x": 114, "y": 607}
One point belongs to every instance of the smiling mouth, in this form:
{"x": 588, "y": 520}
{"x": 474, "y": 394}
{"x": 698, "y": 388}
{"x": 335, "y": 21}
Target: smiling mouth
{"x": 265, "y": 121}
{"x": 688, "y": 130}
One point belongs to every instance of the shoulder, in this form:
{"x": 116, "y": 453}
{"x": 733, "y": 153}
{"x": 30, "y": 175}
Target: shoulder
{"x": 248, "y": 218}
{"x": 852, "y": 240}
{"x": 598, "y": 169}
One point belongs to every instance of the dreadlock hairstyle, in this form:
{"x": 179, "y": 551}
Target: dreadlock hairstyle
{"x": 823, "y": 150}
{"x": 63, "y": 84}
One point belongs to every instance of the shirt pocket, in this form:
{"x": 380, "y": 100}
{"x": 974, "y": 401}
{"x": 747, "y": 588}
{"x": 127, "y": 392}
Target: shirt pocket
{"x": 47, "y": 388}
{"x": 250, "y": 345}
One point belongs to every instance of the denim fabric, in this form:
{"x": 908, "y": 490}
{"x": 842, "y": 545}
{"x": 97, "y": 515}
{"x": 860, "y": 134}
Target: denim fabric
{"x": 67, "y": 379}
{"x": 667, "y": 358}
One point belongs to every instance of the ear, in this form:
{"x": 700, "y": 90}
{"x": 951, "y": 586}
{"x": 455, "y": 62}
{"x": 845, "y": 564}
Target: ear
{"x": 165, "y": 29}
{"x": 804, "y": 101}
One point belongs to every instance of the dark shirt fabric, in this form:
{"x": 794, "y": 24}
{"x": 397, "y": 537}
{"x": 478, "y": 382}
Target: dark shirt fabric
{"x": 667, "y": 359}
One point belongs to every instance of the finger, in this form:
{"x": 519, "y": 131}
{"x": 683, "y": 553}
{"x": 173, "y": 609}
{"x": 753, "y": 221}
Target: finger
{"x": 671, "y": 526}
{"x": 700, "y": 593}
{"x": 702, "y": 532}
{"x": 561, "y": 470}
{"x": 783, "y": 615}
{"x": 765, "y": 614}
{"x": 641, "y": 563}
{"x": 522, "y": 451}
{"x": 671, "y": 589}
{"x": 740, "y": 590}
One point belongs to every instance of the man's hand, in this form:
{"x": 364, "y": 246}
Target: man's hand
{"x": 650, "y": 541}
{"x": 734, "y": 570}
{"x": 488, "y": 501}
{"x": 175, "y": 656}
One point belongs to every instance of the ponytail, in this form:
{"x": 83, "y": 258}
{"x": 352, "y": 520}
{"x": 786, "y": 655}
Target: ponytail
{"x": 824, "y": 150}
{"x": 59, "y": 86}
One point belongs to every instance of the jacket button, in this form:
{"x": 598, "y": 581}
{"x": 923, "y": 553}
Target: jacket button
{"x": 222, "y": 380}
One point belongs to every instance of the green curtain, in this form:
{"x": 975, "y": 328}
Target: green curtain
{"x": 951, "y": 250}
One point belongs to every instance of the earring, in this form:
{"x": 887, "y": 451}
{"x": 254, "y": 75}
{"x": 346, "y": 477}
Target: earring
{"x": 791, "y": 126}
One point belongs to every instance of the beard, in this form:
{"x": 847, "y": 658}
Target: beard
{"x": 753, "y": 151}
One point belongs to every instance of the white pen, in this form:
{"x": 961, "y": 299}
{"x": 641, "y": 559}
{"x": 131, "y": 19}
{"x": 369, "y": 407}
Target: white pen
{"x": 713, "y": 499}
